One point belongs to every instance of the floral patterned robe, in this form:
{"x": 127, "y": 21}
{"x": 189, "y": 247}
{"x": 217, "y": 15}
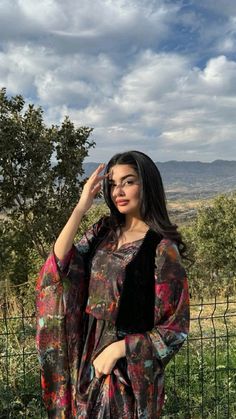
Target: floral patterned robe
{"x": 73, "y": 329}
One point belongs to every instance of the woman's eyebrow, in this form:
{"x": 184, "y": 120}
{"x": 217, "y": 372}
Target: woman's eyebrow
{"x": 124, "y": 177}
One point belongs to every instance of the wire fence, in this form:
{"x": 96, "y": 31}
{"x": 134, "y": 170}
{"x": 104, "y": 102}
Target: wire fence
{"x": 200, "y": 381}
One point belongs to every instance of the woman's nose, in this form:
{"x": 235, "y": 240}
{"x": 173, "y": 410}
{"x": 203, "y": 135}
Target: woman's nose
{"x": 118, "y": 190}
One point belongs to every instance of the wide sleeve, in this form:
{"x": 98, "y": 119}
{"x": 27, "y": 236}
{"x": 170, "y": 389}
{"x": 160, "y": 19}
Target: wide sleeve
{"x": 148, "y": 354}
{"x": 61, "y": 293}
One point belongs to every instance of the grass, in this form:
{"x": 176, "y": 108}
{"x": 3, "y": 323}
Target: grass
{"x": 201, "y": 381}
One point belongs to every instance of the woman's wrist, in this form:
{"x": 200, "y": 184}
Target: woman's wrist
{"x": 119, "y": 347}
{"x": 79, "y": 211}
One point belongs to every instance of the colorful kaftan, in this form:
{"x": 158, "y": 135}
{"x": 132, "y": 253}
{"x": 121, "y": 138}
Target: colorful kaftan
{"x": 70, "y": 333}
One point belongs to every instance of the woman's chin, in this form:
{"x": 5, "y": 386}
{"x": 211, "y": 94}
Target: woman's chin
{"x": 123, "y": 209}
{"x": 128, "y": 211}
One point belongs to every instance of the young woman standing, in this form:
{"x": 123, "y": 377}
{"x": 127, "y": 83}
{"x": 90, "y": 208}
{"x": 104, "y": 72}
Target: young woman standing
{"x": 113, "y": 309}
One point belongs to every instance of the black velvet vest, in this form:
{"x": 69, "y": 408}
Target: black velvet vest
{"x": 137, "y": 301}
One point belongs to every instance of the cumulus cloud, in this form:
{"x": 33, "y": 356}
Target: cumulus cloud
{"x": 88, "y": 25}
{"x": 152, "y": 75}
{"x": 43, "y": 13}
{"x": 117, "y": 23}
{"x": 172, "y": 108}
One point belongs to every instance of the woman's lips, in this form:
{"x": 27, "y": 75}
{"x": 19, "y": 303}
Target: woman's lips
{"x": 121, "y": 203}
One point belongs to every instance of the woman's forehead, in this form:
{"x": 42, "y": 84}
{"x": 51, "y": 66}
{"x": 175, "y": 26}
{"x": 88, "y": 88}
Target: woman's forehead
{"x": 121, "y": 170}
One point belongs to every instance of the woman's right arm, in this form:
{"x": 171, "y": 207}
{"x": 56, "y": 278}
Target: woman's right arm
{"x": 66, "y": 237}
{"x": 60, "y": 300}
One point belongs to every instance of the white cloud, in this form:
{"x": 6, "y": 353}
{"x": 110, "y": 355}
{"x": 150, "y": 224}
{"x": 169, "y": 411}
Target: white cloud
{"x": 43, "y": 13}
{"x": 21, "y": 65}
{"x": 219, "y": 76}
{"x": 87, "y": 25}
{"x": 78, "y": 80}
{"x": 154, "y": 75}
{"x": 178, "y": 108}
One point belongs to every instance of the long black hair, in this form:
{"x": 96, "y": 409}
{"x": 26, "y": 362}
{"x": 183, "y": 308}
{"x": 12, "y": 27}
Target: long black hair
{"x": 153, "y": 209}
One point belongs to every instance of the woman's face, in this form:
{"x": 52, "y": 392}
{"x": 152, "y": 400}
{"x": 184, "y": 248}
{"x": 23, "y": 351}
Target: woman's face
{"x": 125, "y": 189}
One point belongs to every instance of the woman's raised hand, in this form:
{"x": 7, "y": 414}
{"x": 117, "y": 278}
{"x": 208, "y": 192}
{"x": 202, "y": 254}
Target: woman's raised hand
{"x": 66, "y": 237}
{"x": 91, "y": 188}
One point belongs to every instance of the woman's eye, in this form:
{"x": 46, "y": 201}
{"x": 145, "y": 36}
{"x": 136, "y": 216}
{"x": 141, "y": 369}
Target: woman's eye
{"x": 128, "y": 182}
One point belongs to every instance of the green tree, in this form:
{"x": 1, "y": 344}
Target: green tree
{"x": 40, "y": 181}
{"x": 211, "y": 241}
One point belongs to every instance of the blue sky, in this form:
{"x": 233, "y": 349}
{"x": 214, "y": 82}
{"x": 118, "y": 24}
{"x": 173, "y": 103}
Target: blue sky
{"x": 151, "y": 75}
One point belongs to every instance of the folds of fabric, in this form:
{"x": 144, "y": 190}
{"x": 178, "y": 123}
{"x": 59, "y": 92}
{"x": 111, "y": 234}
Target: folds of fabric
{"x": 70, "y": 334}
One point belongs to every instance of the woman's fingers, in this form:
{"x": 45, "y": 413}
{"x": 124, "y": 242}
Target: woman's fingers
{"x": 91, "y": 188}
{"x": 100, "y": 178}
{"x": 96, "y": 188}
{"x": 98, "y": 374}
{"x": 95, "y": 175}
{"x": 99, "y": 169}
{"x": 95, "y": 181}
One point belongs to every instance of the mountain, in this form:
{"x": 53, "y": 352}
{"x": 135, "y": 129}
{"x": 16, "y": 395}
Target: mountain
{"x": 192, "y": 179}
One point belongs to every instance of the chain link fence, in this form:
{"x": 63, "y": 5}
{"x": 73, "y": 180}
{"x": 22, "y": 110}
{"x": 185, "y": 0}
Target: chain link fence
{"x": 200, "y": 381}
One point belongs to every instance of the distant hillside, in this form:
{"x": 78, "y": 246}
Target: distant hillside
{"x": 194, "y": 179}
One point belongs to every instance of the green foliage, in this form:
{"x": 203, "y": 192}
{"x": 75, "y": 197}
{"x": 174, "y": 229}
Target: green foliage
{"x": 93, "y": 215}
{"x": 201, "y": 382}
{"x": 40, "y": 181}
{"x": 211, "y": 243}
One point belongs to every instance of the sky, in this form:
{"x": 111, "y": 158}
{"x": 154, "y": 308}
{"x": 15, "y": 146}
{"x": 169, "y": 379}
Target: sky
{"x": 150, "y": 75}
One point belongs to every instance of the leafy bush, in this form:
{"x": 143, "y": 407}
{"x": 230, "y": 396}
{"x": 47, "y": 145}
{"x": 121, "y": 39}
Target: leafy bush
{"x": 211, "y": 243}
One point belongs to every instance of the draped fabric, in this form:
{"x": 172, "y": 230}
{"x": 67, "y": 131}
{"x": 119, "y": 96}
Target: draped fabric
{"x": 76, "y": 321}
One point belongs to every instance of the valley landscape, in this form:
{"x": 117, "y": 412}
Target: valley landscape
{"x": 190, "y": 185}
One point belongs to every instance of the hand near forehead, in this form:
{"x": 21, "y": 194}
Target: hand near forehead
{"x": 91, "y": 189}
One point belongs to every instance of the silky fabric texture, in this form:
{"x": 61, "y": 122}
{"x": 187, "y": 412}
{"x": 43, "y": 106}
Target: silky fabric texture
{"x": 72, "y": 330}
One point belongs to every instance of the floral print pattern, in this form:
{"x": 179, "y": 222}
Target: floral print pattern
{"x": 72, "y": 330}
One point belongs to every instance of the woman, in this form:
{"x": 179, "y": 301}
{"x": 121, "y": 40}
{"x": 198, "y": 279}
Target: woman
{"x": 113, "y": 309}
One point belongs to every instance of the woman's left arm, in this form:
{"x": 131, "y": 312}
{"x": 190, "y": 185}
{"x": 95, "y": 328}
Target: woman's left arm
{"x": 171, "y": 307}
{"x": 148, "y": 353}
{"x": 172, "y": 303}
